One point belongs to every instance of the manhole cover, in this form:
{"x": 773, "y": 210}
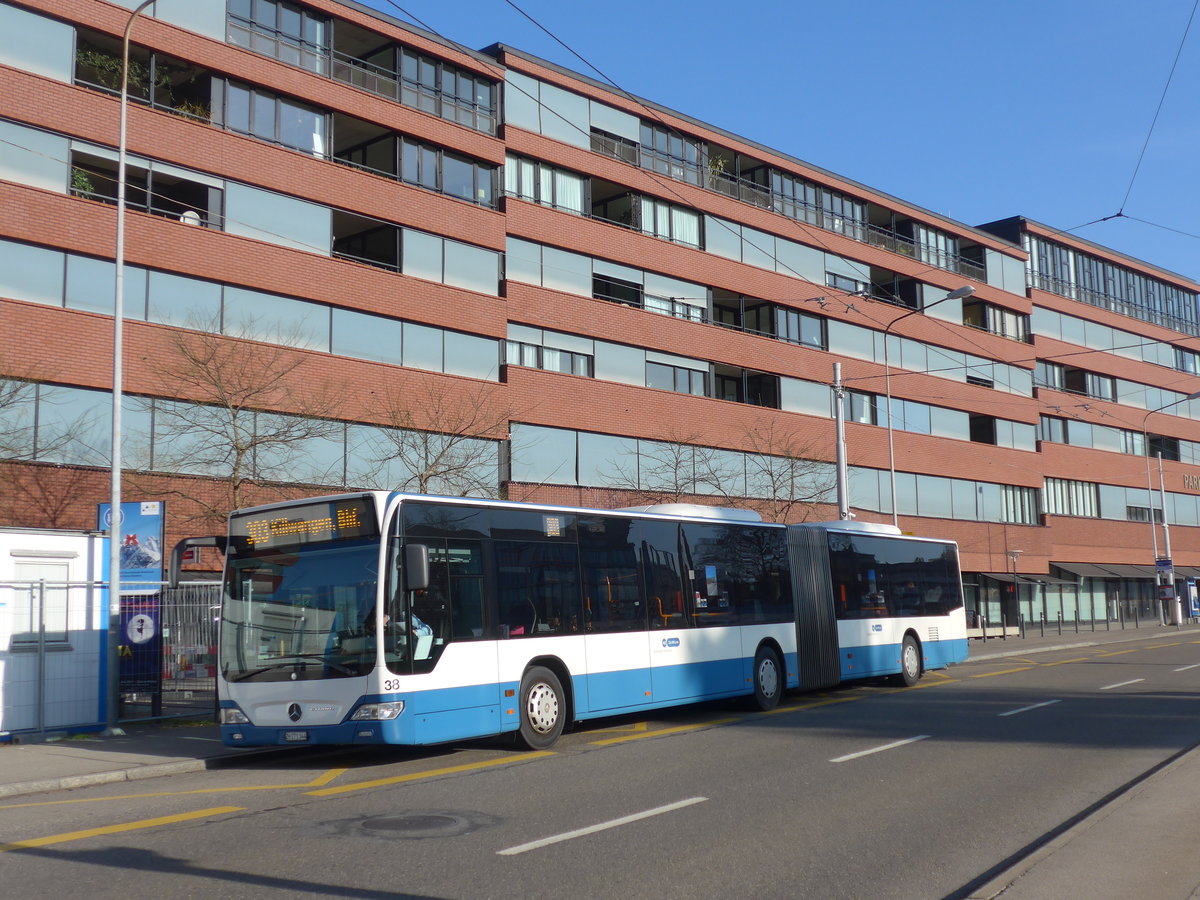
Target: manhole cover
{"x": 421, "y": 824}
{"x": 412, "y": 823}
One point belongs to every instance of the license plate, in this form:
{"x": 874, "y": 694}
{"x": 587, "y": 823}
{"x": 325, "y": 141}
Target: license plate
{"x": 295, "y": 735}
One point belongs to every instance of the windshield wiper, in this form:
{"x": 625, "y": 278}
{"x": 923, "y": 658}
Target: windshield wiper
{"x": 295, "y": 660}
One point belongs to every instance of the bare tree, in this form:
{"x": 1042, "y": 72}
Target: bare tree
{"x": 784, "y": 475}
{"x": 230, "y": 428}
{"x": 458, "y": 457}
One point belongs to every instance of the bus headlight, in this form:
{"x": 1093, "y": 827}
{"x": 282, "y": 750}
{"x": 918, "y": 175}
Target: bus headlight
{"x": 231, "y": 716}
{"x": 377, "y": 712}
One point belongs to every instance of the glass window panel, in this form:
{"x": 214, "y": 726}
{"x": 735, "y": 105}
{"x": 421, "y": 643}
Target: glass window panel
{"x": 934, "y": 497}
{"x": 566, "y": 271}
{"x": 278, "y": 320}
{"x": 287, "y": 221}
{"x": 568, "y": 191}
{"x": 422, "y": 255}
{"x": 365, "y": 336}
{"x": 18, "y": 415}
{"x": 74, "y": 426}
{"x": 458, "y": 177}
{"x": 607, "y": 461}
{"x": 262, "y": 116}
{"x": 423, "y": 347}
{"x": 316, "y": 459}
{"x": 31, "y": 273}
{"x": 864, "y": 489}
{"x": 523, "y": 261}
{"x": 722, "y": 237}
{"x": 620, "y": 363}
{"x": 543, "y": 455}
{"x": 473, "y": 268}
{"x": 470, "y": 355}
{"x": 963, "y": 499}
{"x": 185, "y": 302}
{"x": 301, "y": 128}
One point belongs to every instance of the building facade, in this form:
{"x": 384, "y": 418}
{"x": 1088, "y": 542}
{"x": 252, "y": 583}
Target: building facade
{"x": 359, "y": 255}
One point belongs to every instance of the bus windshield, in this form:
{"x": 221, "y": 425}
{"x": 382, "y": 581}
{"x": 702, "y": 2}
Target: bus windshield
{"x": 300, "y": 612}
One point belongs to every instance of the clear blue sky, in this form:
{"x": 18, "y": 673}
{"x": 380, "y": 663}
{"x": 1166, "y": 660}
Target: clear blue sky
{"x": 976, "y": 110}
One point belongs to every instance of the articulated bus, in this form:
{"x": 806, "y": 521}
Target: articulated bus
{"x": 390, "y": 618}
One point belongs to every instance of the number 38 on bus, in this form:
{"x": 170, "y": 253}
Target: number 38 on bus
{"x": 391, "y": 618}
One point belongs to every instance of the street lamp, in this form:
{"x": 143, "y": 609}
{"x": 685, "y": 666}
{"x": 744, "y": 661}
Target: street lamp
{"x": 114, "y": 528}
{"x": 1163, "y": 501}
{"x": 957, "y": 294}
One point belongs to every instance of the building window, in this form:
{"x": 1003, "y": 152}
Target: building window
{"x": 544, "y": 184}
{"x": 800, "y": 328}
{"x": 997, "y": 320}
{"x": 444, "y": 90}
{"x": 518, "y": 353}
{"x": 666, "y": 220}
{"x": 156, "y": 79}
{"x": 861, "y": 407}
{"x": 165, "y": 191}
{"x": 272, "y": 118}
{"x": 1019, "y": 505}
{"x": 1049, "y": 375}
{"x": 614, "y": 146}
{"x": 1065, "y": 497}
{"x": 285, "y": 32}
{"x": 936, "y": 247}
{"x": 845, "y": 283}
{"x": 670, "y": 153}
{"x": 676, "y": 378}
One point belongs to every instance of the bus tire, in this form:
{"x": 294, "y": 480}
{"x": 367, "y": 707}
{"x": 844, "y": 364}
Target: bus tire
{"x": 543, "y": 709}
{"x": 910, "y": 662}
{"x": 768, "y": 679}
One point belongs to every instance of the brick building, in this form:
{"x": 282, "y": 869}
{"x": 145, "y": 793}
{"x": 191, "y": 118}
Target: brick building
{"x": 358, "y": 255}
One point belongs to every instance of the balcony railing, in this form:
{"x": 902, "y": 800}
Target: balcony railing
{"x": 758, "y": 195}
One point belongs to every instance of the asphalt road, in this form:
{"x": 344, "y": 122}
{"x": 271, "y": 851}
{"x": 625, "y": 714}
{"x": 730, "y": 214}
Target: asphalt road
{"x": 866, "y": 792}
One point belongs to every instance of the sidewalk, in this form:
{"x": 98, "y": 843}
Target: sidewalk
{"x": 1131, "y": 846}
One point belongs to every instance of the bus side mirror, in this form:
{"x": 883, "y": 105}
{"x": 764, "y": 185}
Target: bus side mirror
{"x": 416, "y": 567}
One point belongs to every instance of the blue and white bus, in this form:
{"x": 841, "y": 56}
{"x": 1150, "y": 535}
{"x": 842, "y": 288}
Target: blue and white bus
{"x": 389, "y": 618}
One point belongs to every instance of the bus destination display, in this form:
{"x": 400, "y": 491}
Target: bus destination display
{"x": 340, "y": 520}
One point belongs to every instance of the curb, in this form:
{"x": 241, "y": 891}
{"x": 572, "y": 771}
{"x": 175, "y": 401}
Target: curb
{"x": 998, "y": 884}
{"x": 1073, "y": 645}
{"x": 139, "y": 773}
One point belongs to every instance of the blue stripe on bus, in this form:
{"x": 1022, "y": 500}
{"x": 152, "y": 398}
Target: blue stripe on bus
{"x": 884, "y": 659}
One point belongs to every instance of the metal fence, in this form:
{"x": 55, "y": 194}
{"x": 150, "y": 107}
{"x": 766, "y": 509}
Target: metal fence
{"x": 54, "y": 654}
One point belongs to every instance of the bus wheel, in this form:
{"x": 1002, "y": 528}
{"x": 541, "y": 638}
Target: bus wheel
{"x": 910, "y": 662}
{"x": 768, "y": 678}
{"x": 542, "y": 708}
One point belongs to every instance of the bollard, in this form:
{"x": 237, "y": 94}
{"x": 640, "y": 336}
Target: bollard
{"x": 1042, "y": 622}
{"x": 1003, "y": 627}
{"x": 1021, "y": 625}
{"x": 1060, "y": 621}
{"x": 1077, "y": 618}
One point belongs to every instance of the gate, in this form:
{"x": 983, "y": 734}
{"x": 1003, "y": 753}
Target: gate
{"x": 191, "y": 615}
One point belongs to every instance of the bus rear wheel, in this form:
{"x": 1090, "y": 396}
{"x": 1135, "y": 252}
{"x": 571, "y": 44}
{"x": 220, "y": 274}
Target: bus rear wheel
{"x": 910, "y": 662}
{"x": 543, "y": 709}
{"x": 768, "y": 679}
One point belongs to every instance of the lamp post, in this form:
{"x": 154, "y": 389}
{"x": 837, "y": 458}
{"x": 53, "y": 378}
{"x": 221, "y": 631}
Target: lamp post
{"x": 957, "y": 294}
{"x": 1014, "y": 555}
{"x": 114, "y": 528}
{"x": 1170, "y": 573}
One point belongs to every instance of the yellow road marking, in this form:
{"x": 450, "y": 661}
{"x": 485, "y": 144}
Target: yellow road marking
{"x": 1002, "y": 672}
{"x": 1063, "y": 662}
{"x": 637, "y": 726}
{"x": 1122, "y": 652}
{"x": 117, "y": 829}
{"x": 429, "y": 773}
{"x": 324, "y": 778}
{"x": 816, "y": 704}
{"x": 679, "y": 729}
